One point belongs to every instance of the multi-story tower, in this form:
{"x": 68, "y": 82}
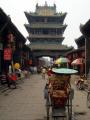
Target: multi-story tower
{"x": 46, "y": 28}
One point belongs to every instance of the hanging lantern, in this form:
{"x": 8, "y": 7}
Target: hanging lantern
{"x": 30, "y": 62}
{"x": 10, "y": 37}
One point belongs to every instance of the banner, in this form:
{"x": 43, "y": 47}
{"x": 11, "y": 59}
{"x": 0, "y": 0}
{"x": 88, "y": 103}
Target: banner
{"x": 7, "y": 54}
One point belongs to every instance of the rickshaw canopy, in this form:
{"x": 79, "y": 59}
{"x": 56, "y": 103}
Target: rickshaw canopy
{"x": 64, "y": 71}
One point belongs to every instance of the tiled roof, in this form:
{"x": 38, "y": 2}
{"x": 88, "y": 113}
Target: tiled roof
{"x": 55, "y": 15}
{"x": 49, "y": 47}
{"x": 85, "y": 29}
{"x": 76, "y": 50}
{"x": 45, "y": 25}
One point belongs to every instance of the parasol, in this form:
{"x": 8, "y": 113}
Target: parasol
{"x": 61, "y": 60}
{"x": 64, "y": 71}
{"x": 77, "y": 61}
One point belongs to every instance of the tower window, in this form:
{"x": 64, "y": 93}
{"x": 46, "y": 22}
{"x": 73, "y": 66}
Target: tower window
{"x": 45, "y": 31}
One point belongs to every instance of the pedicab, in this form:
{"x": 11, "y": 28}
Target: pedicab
{"x": 60, "y": 94}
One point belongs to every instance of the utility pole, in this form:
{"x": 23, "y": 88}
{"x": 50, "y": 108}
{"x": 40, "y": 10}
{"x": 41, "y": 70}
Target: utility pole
{"x": 85, "y": 58}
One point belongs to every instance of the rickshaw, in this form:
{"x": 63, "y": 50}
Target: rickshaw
{"x": 60, "y": 94}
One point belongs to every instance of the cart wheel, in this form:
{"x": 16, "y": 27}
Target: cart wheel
{"x": 69, "y": 118}
{"x": 55, "y": 118}
{"x": 70, "y": 113}
{"x": 47, "y": 108}
{"x": 71, "y": 96}
{"x": 69, "y": 107}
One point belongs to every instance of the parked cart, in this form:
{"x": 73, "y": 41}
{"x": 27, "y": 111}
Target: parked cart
{"x": 60, "y": 94}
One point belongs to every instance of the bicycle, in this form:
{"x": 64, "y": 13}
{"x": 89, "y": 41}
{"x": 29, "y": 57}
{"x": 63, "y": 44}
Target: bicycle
{"x": 80, "y": 84}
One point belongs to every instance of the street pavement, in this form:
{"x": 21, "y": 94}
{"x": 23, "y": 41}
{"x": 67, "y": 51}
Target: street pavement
{"x": 27, "y": 101}
{"x": 24, "y": 103}
{"x": 80, "y": 109}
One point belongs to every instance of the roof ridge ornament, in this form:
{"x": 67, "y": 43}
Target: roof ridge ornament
{"x": 46, "y": 4}
{"x": 37, "y": 5}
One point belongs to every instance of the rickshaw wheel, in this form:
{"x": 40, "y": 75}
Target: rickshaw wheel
{"x": 47, "y": 109}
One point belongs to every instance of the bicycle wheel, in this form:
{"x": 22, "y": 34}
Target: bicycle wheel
{"x": 88, "y": 100}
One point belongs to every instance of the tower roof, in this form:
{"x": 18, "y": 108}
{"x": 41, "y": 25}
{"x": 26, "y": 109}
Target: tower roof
{"x": 49, "y": 47}
{"x": 45, "y": 25}
{"x": 45, "y": 10}
{"x": 85, "y": 29}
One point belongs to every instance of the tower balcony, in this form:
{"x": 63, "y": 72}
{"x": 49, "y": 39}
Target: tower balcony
{"x": 45, "y": 36}
{"x": 45, "y": 25}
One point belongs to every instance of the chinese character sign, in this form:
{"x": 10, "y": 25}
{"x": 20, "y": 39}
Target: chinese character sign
{"x": 7, "y": 54}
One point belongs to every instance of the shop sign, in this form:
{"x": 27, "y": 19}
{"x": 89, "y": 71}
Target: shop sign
{"x": 7, "y": 54}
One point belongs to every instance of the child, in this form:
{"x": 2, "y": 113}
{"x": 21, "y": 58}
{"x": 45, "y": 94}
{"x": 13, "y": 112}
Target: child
{"x": 12, "y": 79}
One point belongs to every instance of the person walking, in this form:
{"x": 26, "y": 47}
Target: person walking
{"x": 43, "y": 73}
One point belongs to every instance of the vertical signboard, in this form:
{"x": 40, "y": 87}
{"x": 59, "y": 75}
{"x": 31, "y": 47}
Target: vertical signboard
{"x": 7, "y": 54}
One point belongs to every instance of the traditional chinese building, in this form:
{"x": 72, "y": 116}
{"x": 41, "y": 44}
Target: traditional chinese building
{"x": 85, "y": 30}
{"x": 46, "y": 28}
{"x": 12, "y": 44}
{"x": 83, "y": 50}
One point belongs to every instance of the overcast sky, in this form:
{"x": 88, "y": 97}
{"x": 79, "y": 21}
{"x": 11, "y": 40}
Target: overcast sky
{"x": 78, "y": 11}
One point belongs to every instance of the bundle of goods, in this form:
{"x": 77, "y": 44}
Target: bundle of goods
{"x": 59, "y": 90}
{"x": 59, "y": 82}
{"x": 59, "y": 98}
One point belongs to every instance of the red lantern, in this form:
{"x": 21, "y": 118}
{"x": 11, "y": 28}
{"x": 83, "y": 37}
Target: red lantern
{"x": 30, "y": 62}
{"x": 10, "y": 37}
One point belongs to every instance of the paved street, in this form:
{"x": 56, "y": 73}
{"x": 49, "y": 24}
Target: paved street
{"x": 24, "y": 103}
{"x": 27, "y": 102}
{"x": 80, "y": 109}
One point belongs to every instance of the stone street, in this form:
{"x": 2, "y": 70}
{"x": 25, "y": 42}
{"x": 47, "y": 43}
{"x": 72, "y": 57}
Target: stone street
{"x": 27, "y": 101}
